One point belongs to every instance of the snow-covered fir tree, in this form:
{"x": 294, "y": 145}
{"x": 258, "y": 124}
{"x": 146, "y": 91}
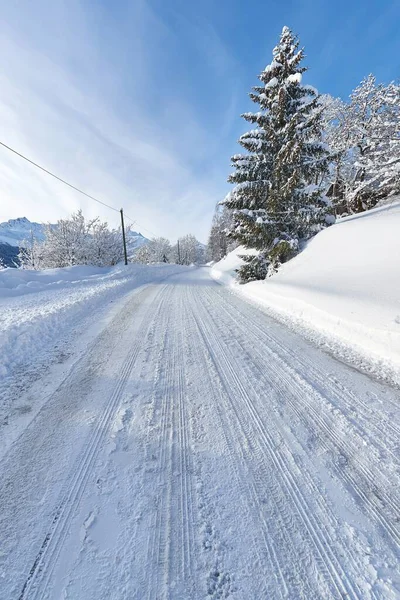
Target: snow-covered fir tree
{"x": 278, "y": 195}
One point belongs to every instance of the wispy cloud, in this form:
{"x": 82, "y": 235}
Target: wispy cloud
{"x": 74, "y": 101}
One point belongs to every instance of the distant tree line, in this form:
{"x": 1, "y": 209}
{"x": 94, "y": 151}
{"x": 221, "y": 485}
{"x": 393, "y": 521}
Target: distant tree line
{"x": 78, "y": 241}
{"x": 187, "y": 251}
{"x": 73, "y": 241}
{"x": 309, "y": 159}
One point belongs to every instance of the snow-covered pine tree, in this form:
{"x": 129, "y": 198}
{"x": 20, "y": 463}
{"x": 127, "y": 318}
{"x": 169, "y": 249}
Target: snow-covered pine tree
{"x": 278, "y": 198}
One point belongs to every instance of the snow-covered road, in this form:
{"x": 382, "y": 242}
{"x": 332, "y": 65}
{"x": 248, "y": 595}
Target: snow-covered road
{"x": 200, "y": 450}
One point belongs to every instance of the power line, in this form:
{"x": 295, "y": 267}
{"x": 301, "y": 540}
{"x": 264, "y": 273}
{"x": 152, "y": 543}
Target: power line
{"x": 140, "y": 227}
{"x": 72, "y": 186}
{"x": 147, "y": 230}
{"x": 128, "y": 217}
{"x": 56, "y": 177}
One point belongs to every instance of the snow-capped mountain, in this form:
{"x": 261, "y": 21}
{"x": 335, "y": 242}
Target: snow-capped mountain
{"x": 135, "y": 240}
{"x": 15, "y": 231}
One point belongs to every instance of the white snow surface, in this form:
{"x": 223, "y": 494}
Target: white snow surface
{"x": 197, "y": 449}
{"x": 41, "y": 315}
{"x": 343, "y": 288}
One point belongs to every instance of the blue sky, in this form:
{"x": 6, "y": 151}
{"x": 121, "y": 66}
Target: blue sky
{"x": 138, "y": 102}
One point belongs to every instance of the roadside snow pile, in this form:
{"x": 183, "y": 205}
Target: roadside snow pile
{"x": 16, "y": 282}
{"x": 344, "y": 286}
{"x": 38, "y": 309}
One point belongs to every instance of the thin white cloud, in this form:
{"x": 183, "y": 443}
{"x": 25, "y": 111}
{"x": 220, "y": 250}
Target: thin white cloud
{"x": 64, "y": 104}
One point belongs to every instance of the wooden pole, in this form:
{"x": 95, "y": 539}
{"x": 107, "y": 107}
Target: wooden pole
{"x": 123, "y": 236}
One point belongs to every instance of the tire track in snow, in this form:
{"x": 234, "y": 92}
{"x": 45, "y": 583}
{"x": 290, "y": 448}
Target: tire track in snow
{"x": 228, "y": 367}
{"x": 184, "y": 566}
{"x": 239, "y": 473}
{"x": 274, "y": 577}
{"x": 330, "y": 529}
{"x": 157, "y": 527}
{"x": 172, "y": 538}
{"x": 37, "y": 583}
{"x": 384, "y": 427}
{"x": 361, "y": 477}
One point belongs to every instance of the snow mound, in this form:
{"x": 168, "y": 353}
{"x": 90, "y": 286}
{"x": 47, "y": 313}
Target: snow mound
{"x": 16, "y": 282}
{"x": 345, "y": 285}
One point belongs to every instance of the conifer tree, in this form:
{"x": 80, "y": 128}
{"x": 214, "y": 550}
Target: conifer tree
{"x": 277, "y": 199}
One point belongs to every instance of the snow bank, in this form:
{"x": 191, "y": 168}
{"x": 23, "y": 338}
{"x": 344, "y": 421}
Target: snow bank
{"x": 15, "y": 282}
{"x": 345, "y": 285}
{"x": 38, "y": 309}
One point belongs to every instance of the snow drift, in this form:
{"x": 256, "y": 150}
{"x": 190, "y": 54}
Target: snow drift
{"x": 345, "y": 285}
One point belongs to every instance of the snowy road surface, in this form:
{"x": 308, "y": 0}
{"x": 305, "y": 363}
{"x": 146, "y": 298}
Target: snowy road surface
{"x": 199, "y": 450}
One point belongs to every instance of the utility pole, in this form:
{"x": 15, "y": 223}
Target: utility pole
{"x": 179, "y": 254}
{"x": 123, "y": 235}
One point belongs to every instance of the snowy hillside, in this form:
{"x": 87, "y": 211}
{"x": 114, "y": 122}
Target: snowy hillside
{"x": 344, "y": 285}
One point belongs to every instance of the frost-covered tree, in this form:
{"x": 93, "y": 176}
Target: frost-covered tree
{"x": 364, "y": 135}
{"x": 142, "y": 255}
{"x": 157, "y": 250}
{"x": 219, "y": 244}
{"x": 160, "y": 250}
{"x": 278, "y": 195}
{"x": 30, "y": 253}
{"x": 73, "y": 241}
{"x": 104, "y": 245}
{"x": 188, "y": 251}
{"x": 375, "y": 112}
{"x": 338, "y": 132}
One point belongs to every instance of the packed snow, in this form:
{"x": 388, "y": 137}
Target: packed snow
{"x": 344, "y": 286}
{"x": 199, "y": 449}
{"x": 42, "y": 314}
